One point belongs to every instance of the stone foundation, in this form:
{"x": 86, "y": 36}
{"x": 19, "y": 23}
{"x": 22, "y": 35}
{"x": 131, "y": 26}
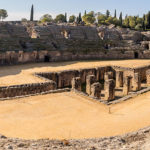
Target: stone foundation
{"x": 136, "y": 82}
{"x": 109, "y": 88}
{"x": 96, "y": 90}
{"x": 126, "y": 79}
{"x": 89, "y": 81}
{"x": 26, "y": 89}
{"x": 126, "y": 85}
{"x": 148, "y": 77}
{"x": 76, "y": 84}
{"x": 119, "y": 79}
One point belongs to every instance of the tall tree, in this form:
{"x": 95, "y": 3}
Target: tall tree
{"x": 32, "y": 13}
{"x": 148, "y": 20}
{"x": 85, "y": 13}
{"x": 3, "y": 14}
{"x": 89, "y": 18}
{"x": 72, "y": 19}
{"x": 120, "y": 19}
{"x": 65, "y": 17}
{"x": 126, "y": 22}
{"x": 143, "y": 23}
{"x": 115, "y": 15}
{"x": 80, "y": 18}
{"x": 60, "y": 18}
{"x": 46, "y": 18}
{"x": 107, "y": 13}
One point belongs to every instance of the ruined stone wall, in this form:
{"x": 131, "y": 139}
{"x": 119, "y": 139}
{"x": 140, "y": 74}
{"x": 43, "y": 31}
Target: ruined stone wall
{"x": 26, "y": 89}
{"x": 12, "y": 57}
{"x": 32, "y": 43}
{"x": 64, "y": 78}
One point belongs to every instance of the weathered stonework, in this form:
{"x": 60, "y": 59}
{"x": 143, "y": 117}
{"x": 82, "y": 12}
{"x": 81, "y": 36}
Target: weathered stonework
{"x": 126, "y": 85}
{"x": 96, "y": 90}
{"x": 89, "y": 81}
{"x": 119, "y": 79}
{"x": 148, "y": 77}
{"x": 108, "y": 75}
{"x": 76, "y": 83}
{"x": 131, "y": 78}
{"x": 136, "y": 82}
{"x": 109, "y": 89}
{"x": 26, "y": 89}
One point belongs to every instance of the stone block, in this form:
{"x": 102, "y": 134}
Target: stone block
{"x": 136, "y": 83}
{"x": 96, "y": 90}
{"x": 108, "y": 75}
{"x": 148, "y": 77}
{"x": 126, "y": 85}
{"x": 89, "y": 81}
{"x": 109, "y": 86}
{"x": 119, "y": 79}
{"x": 76, "y": 83}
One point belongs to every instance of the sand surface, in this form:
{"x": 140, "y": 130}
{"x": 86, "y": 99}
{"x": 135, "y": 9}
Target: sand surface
{"x": 22, "y": 74}
{"x": 68, "y": 115}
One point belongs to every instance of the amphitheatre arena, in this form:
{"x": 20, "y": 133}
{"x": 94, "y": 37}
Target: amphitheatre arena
{"x": 74, "y": 86}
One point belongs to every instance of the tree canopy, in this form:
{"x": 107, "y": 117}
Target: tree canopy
{"x": 60, "y": 18}
{"x": 3, "y": 14}
{"x": 72, "y": 18}
{"x": 46, "y": 18}
{"x": 89, "y": 18}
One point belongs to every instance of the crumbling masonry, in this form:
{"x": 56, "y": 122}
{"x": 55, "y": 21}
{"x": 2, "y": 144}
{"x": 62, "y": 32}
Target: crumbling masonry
{"x": 105, "y": 83}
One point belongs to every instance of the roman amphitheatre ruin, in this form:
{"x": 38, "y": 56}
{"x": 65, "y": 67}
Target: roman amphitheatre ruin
{"x": 88, "y": 84}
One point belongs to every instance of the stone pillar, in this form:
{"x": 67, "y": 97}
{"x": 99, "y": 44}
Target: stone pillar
{"x": 96, "y": 90}
{"x": 109, "y": 89}
{"x": 108, "y": 75}
{"x": 136, "y": 82}
{"x": 126, "y": 85}
{"x": 76, "y": 84}
{"x": 148, "y": 77}
{"x": 119, "y": 79}
{"x": 89, "y": 81}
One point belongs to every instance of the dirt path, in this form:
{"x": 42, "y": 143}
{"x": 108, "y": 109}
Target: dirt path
{"x": 22, "y": 74}
{"x": 67, "y": 115}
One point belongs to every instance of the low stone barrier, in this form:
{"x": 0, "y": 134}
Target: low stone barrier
{"x": 26, "y": 89}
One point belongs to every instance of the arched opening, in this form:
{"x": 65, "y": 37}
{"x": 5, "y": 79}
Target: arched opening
{"x": 47, "y": 58}
{"x": 136, "y": 55}
{"x": 146, "y": 46}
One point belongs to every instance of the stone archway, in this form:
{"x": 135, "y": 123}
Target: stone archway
{"x": 136, "y": 55}
{"x": 46, "y": 58}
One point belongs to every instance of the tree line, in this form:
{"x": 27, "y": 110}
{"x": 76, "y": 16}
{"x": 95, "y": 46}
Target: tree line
{"x": 133, "y": 22}
{"x": 90, "y": 18}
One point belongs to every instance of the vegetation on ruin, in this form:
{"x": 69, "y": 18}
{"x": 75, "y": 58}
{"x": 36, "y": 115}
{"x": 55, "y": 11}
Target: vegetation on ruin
{"x": 90, "y": 18}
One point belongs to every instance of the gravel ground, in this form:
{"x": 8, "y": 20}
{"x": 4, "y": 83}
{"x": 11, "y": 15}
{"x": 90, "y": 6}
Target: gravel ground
{"x": 139, "y": 140}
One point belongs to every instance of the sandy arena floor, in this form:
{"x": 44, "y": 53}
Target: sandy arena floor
{"x": 22, "y": 74}
{"x": 67, "y": 115}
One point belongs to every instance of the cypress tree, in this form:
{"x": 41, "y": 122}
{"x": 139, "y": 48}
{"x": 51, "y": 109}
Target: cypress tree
{"x": 148, "y": 20}
{"x": 32, "y": 13}
{"x": 85, "y": 13}
{"x": 120, "y": 19}
{"x": 65, "y": 17}
{"x": 107, "y": 13}
{"x": 80, "y": 18}
{"x": 143, "y": 23}
{"x": 115, "y": 15}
